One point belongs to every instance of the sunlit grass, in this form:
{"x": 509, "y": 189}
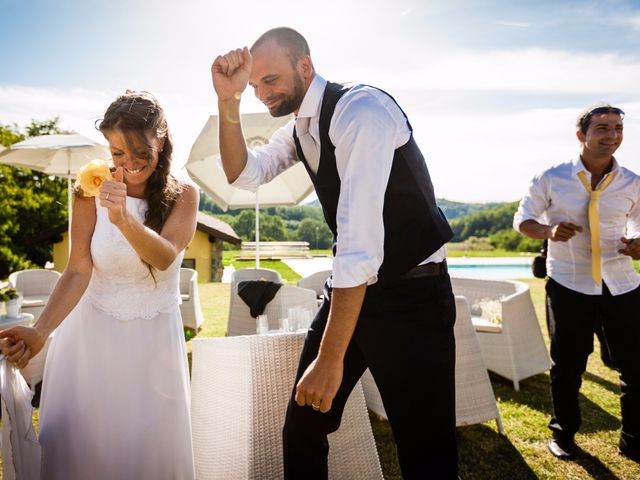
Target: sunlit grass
{"x": 521, "y": 453}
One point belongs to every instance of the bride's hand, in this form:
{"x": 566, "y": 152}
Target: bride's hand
{"x": 113, "y": 196}
{"x": 20, "y": 344}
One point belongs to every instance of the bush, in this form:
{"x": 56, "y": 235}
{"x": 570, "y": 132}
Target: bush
{"x": 478, "y": 244}
{"x": 10, "y": 262}
{"x": 7, "y": 293}
{"x": 509, "y": 239}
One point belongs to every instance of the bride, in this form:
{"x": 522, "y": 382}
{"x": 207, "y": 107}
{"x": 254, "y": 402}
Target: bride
{"x": 115, "y": 398}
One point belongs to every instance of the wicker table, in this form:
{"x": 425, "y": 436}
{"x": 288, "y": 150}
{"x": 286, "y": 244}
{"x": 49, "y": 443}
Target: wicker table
{"x": 24, "y": 319}
{"x": 240, "y": 388}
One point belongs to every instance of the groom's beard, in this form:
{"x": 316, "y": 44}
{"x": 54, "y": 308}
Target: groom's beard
{"x": 289, "y": 103}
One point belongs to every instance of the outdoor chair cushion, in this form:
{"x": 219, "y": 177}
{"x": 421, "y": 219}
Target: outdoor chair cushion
{"x": 35, "y": 301}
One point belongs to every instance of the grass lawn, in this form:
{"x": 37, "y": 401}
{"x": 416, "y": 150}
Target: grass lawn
{"x": 522, "y": 453}
{"x": 485, "y": 454}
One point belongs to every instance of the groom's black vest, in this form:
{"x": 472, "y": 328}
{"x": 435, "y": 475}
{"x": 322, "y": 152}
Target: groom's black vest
{"x": 414, "y": 226}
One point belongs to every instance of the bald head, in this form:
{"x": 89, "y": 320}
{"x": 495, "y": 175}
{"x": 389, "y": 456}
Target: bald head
{"x": 289, "y": 39}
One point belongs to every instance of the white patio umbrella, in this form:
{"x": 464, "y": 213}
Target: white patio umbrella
{"x": 288, "y": 188}
{"x": 59, "y": 155}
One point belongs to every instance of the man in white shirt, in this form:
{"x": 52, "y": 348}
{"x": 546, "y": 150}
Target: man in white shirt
{"x": 389, "y": 304}
{"x": 589, "y": 209}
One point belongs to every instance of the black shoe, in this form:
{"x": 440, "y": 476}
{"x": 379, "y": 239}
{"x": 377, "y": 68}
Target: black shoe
{"x": 630, "y": 453}
{"x": 563, "y": 448}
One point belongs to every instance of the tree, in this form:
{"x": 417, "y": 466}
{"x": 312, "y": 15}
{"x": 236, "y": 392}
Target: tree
{"x": 484, "y": 223}
{"x": 30, "y": 203}
{"x": 271, "y": 227}
{"x": 453, "y": 210}
{"x": 208, "y": 205}
{"x": 315, "y": 232}
{"x": 245, "y": 225}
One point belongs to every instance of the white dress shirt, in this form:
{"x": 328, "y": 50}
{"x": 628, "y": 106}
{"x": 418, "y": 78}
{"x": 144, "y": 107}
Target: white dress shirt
{"x": 557, "y": 195}
{"x": 366, "y": 129}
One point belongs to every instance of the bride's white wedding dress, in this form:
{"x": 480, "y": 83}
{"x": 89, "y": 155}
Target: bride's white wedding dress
{"x": 115, "y": 397}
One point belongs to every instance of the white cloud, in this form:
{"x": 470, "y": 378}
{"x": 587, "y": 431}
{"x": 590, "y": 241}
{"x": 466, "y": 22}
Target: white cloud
{"x": 78, "y": 108}
{"x": 493, "y": 157}
{"x": 529, "y": 70}
{"x": 478, "y": 156}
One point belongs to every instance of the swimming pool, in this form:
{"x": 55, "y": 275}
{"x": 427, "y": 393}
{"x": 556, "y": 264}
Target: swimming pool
{"x": 491, "y": 272}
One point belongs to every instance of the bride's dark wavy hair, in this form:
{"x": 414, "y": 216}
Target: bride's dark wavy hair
{"x": 135, "y": 114}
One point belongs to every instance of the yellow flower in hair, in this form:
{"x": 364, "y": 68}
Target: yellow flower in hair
{"x": 91, "y": 176}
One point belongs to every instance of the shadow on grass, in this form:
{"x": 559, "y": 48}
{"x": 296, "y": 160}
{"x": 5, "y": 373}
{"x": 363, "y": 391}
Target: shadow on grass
{"x": 483, "y": 453}
{"x": 487, "y": 455}
{"x": 595, "y": 418}
{"x": 535, "y": 394}
{"x": 603, "y": 382}
{"x": 594, "y": 466}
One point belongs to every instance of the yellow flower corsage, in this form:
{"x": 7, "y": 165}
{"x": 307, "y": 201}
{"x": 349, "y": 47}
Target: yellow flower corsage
{"x": 91, "y": 176}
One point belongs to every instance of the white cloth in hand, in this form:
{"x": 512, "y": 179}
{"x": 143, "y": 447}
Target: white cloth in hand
{"x": 21, "y": 451}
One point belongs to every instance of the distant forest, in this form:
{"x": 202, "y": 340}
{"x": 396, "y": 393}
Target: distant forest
{"x": 491, "y": 221}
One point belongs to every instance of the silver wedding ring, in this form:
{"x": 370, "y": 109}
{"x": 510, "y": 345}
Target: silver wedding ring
{"x": 315, "y": 407}
{"x": 107, "y": 197}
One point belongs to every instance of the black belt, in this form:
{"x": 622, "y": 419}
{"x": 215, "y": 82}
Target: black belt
{"x": 426, "y": 270}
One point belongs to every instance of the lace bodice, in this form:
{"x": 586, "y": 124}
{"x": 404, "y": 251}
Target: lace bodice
{"x": 121, "y": 284}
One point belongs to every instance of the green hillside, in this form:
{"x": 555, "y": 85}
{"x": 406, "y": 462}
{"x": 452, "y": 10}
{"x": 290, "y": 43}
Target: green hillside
{"x": 453, "y": 210}
{"x": 497, "y": 224}
{"x": 491, "y": 221}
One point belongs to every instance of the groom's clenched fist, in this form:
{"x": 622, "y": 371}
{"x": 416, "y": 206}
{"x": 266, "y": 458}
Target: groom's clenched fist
{"x": 230, "y": 73}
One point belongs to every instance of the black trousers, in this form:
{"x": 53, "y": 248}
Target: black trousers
{"x": 405, "y": 337}
{"x": 573, "y": 318}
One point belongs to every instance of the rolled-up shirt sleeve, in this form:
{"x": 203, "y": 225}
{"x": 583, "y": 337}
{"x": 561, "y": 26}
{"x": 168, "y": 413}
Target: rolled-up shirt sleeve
{"x": 267, "y": 161}
{"x": 365, "y": 132}
{"x": 633, "y": 219}
{"x": 534, "y": 203}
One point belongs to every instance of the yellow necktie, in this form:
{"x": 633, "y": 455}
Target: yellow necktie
{"x": 594, "y": 223}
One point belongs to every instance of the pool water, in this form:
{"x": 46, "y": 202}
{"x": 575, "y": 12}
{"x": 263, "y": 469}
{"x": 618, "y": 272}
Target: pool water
{"x": 491, "y": 272}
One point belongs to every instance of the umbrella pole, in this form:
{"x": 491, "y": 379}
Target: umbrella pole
{"x": 257, "y": 230}
{"x": 69, "y": 200}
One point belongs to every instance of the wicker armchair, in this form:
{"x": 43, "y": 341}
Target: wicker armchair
{"x": 35, "y": 286}
{"x": 190, "y": 310}
{"x": 515, "y": 348}
{"x": 242, "y": 323}
{"x": 315, "y": 281}
{"x": 475, "y": 401}
{"x": 244, "y": 274}
{"x": 240, "y": 387}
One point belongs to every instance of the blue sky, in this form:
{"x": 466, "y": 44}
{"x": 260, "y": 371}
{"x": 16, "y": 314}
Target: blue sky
{"x": 492, "y": 88}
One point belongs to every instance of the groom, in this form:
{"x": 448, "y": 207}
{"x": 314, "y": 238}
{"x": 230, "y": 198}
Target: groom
{"x": 388, "y": 305}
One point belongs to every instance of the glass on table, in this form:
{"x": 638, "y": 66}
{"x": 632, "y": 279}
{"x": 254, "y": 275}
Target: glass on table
{"x": 262, "y": 324}
{"x": 299, "y": 318}
{"x": 284, "y": 325}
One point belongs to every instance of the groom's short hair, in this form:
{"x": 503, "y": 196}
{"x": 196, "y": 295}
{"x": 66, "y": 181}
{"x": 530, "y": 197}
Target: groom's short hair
{"x": 288, "y": 38}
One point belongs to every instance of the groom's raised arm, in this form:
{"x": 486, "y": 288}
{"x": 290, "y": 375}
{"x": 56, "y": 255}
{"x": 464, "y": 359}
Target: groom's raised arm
{"x": 230, "y": 75}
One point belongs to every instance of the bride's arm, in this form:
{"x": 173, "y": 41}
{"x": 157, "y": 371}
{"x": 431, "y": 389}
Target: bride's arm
{"x": 67, "y": 292}
{"x": 160, "y": 250}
